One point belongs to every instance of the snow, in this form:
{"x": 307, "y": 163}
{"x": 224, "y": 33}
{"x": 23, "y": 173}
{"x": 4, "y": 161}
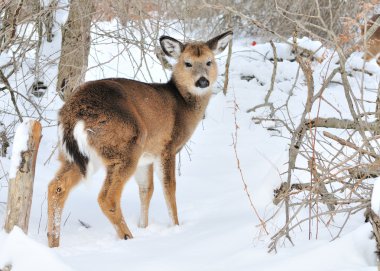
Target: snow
{"x": 218, "y": 229}
{"x": 311, "y": 45}
{"x": 62, "y": 13}
{"x": 20, "y": 145}
{"x": 23, "y": 253}
{"x": 284, "y": 51}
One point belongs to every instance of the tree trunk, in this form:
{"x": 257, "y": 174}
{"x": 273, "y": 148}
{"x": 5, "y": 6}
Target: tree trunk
{"x": 8, "y": 28}
{"x": 21, "y": 186}
{"x": 48, "y": 19}
{"x": 76, "y": 42}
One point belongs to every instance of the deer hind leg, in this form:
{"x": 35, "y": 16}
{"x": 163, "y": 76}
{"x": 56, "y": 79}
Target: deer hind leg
{"x": 144, "y": 178}
{"x": 166, "y": 171}
{"x": 66, "y": 178}
{"x": 109, "y": 197}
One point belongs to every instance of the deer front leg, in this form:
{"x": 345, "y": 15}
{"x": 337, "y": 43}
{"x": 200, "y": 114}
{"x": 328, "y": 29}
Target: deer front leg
{"x": 67, "y": 177}
{"x": 166, "y": 171}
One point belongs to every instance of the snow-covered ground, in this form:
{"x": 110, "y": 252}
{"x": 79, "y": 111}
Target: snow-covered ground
{"x": 218, "y": 229}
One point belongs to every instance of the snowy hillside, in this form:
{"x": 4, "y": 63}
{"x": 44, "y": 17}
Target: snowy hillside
{"x": 218, "y": 229}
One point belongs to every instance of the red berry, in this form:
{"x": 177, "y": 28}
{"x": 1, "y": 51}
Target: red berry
{"x": 253, "y": 43}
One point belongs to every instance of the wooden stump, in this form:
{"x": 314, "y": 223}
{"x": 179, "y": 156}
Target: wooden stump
{"x": 374, "y": 219}
{"x": 20, "y": 190}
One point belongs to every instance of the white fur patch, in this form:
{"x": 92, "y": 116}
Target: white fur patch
{"x": 80, "y": 136}
{"x": 146, "y": 159}
{"x": 62, "y": 145}
{"x": 140, "y": 175}
{"x": 200, "y": 91}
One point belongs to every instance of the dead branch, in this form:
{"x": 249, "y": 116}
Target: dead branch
{"x": 349, "y": 144}
{"x": 11, "y": 92}
{"x": 227, "y": 70}
{"x": 228, "y": 61}
{"x": 282, "y": 232}
{"x": 269, "y": 92}
{"x": 319, "y": 188}
{"x": 361, "y": 172}
{"x": 234, "y": 143}
{"x": 341, "y": 124}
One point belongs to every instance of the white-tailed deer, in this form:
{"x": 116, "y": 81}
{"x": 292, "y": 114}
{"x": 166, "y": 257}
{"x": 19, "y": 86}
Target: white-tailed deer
{"x": 373, "y": 43}
{"x": 131, "y": 127}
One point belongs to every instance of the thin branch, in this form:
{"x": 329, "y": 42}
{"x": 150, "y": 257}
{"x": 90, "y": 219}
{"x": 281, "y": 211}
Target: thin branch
{"x": 234, "y": 143}
{"x": 11, "y": 91}
{"x": 349, "y": 144}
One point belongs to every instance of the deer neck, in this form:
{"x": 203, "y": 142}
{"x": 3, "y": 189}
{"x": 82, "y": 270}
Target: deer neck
{"x": 193, "y": 102}
{"x": 190, "y": 112}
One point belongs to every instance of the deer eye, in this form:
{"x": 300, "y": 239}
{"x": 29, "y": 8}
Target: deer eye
{"x": 208, "y": 63}
{"x": 188, "y": 64}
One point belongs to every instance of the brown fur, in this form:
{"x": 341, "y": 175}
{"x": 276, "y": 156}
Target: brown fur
{"x": 125, "y": 120}
{"x": 373, "y": 44}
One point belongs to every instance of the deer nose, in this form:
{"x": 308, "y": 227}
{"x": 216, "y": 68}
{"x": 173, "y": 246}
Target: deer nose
{"x": 202, "y": 83}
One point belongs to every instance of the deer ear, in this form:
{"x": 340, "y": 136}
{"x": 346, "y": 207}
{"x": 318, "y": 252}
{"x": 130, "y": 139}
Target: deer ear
{"x": 219, "y": 43}
{"x": 171, "y": 47}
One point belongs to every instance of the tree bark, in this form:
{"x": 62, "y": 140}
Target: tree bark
{"x": 374, "y": 219}
{"x": 75, "y": 48}
{"x": 4, "y": 143}
{"x": 21, "y": 186}
{"x": 361, "y": 172}
{"x": 8, "y": 28}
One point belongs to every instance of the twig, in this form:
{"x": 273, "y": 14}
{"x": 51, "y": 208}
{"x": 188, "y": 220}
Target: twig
{"x": 11, "y": 91}
{"x": 320, "y": 187}
{"x": 274, "y": 72}
{"x": 270, "y": 90}
{"x": 67, "y": 218}
{"x": 249, "y": 18}
{"x": 84, "y": 224}
{"x": 39, "y": 222}
{"x": 51, "y": 154}
{"x": 234, "y": 143}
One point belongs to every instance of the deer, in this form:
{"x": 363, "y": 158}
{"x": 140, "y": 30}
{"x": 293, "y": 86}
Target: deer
{"x": 132, "y": 128}
{"x": 373, "y": 43}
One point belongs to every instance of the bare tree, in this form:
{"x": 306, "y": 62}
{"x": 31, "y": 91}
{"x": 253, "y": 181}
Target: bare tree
{"x": 76, "y": 41}
{"x": 330, "y": 160}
